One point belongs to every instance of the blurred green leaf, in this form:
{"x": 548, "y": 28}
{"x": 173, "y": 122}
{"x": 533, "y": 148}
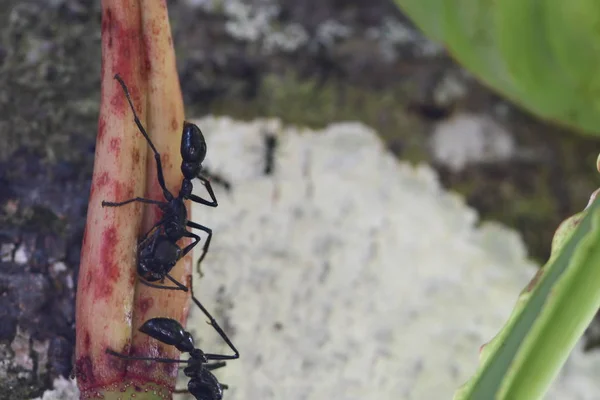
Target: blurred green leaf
{"x": 543, "y": 55}
{"x": 549, "y": 318}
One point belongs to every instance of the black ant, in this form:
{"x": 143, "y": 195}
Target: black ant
{"x": 271, "y": 144}
{"x": 203, "y": 385}
{"x": 159, "y": 254}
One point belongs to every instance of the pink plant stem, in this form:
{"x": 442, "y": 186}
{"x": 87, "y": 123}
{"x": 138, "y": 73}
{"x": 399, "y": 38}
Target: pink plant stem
{"x": 165, "y": 123}
{"x": 111, "y": 303}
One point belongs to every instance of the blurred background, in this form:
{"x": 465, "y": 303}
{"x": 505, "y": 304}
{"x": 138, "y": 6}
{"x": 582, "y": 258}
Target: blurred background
{"x": 308, "y": 63}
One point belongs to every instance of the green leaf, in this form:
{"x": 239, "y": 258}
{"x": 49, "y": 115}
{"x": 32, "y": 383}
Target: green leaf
{"x": 429, "y": 13}
{"x": 549, "y": 318}
{"x": 541, "y": 54}
{"x": 468, "y": 30}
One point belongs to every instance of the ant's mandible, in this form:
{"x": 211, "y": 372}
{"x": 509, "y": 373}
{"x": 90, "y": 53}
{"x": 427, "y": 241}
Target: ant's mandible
{"x": 174, "y": 222}
{"x": 203, "y": 385}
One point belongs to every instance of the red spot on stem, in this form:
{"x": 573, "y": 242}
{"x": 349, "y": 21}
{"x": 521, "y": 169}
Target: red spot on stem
{"x": 99, "y": 183}
{"x": 102, "y": 71}
{"x": 125, "y": 54}
{"x": 143, "y": 368}
{"x": 122, "y": 192}
{"x": 84, "y": 371}
{"x": 84, "y": 241}
{"x": 156, "y": 28}
{"x": 103, "y": 179}
{"x": 145, "y": 304}
{"x": 107, "y": 22}
{"x": 87, "y": 342}
{"x": 170, "y": 370}
{"x": 135, "y": 156}
{"x": 166, "y": 161}
{"x": 101, "y": 127}
{"x": 115, "y": 146}
{"x": 109, "y": 272}
{"x": 147, "y": 54}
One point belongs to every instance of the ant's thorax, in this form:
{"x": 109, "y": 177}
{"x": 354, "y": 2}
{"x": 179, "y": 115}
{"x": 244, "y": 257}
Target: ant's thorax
{"x": 186, "y": 188}
{"x": 198, "y": 355}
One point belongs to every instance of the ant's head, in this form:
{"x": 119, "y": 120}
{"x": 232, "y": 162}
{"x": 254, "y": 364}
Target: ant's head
{"x": 186, "y": 344}
{"x": 193, "y": 150}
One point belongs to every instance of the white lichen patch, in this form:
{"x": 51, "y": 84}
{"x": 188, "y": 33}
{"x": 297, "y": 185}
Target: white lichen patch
{"x": 468, "y": 138}
{"x": 349, "y": 275}
{"x": 64, "y": 389}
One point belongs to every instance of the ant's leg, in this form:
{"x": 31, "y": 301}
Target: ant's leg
{"x": 215, "y": 178}
{"x": 164, "y": 360}
{"x": 190, "y": 246}
{"x": 179, "y": 285}
{"x": 154, "y": 239}
{"x": 161, "y": 178}
{"x": 175, "y": 281}
{"x": 206, "y": 244}
{"x": 209, "y": 189}
{"x": 181, "y": 391}
{"x": 219, "y": 330}
{"x": 216, "y": 365}
{"x": 210, "y": 366}
{"x": 122, "y": 203}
